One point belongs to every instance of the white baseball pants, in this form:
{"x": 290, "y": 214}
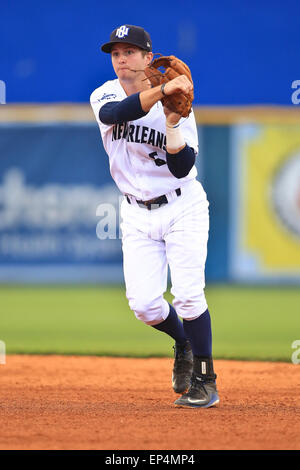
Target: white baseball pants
{"x": 173, "y": 235}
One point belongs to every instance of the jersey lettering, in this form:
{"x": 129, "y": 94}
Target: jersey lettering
{"x": 151, "y": 139}
{"x": 144, "y": 135}
{"x": 139, "y": 135}
{"x": 130, "y": 133}
{"x": 137, "y": 140}
{"x": 159, "y": 139}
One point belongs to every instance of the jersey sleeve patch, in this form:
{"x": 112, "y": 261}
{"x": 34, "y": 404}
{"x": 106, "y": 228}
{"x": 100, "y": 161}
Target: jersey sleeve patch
{"x": 106, "y": 96}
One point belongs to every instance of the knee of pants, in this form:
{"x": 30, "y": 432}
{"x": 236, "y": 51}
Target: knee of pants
{"x": 190, "y": 308}
{"x": 152, "y": 312}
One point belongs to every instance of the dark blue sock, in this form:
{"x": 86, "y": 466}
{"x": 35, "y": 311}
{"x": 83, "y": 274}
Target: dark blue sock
{"x": 198, "y": 332}
{"x": 172, "y": 326}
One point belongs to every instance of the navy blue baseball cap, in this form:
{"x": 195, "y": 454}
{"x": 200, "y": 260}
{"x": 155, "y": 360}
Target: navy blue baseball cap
{"x": 130, "y": 34}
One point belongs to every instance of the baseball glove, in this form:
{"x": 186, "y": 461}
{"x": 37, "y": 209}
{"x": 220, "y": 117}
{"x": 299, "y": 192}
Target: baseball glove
{"x": 179, "y": 103}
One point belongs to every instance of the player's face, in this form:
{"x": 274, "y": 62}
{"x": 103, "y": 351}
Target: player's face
{"x": 126, "y": 58}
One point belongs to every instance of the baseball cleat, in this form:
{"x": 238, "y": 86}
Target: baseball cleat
{"x": 201, "y": 394}
{"x": 183, "y": 367}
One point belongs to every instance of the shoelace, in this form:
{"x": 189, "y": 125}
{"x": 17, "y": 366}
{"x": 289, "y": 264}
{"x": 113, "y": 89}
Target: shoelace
{"x": 196, "y": 385}
{"x": 198, "y": 382}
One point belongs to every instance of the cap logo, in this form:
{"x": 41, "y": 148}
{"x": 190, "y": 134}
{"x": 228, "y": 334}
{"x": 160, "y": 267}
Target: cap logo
{"x": 122, "y": 31}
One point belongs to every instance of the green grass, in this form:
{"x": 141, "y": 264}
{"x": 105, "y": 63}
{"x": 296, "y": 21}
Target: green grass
{"x": 248, "y": 323}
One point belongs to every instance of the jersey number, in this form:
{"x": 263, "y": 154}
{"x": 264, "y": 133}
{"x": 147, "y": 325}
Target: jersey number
{"x": 157, "y": 161}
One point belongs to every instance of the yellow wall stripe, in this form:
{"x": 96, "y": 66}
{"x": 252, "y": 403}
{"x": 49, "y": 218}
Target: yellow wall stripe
{"x": 204, "y": 114}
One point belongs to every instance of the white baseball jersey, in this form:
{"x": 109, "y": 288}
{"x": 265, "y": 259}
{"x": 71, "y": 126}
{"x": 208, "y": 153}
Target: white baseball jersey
{"x": 136, "y": 149}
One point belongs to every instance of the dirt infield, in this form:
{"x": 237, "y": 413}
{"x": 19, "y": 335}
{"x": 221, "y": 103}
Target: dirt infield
{"x": 68, "y": 402}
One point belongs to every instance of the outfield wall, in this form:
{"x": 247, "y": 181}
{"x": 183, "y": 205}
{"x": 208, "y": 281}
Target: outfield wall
{"x": 59, "y": 208}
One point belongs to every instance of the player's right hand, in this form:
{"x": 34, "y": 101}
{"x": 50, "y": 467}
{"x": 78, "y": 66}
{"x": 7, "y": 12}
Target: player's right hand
{"x": 178, "y": 84}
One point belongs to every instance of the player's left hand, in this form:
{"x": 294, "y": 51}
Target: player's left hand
{"x": 171, "y": 118}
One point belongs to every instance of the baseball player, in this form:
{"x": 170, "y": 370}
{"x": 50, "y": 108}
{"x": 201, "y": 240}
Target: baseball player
{"x": 164, "y": 211}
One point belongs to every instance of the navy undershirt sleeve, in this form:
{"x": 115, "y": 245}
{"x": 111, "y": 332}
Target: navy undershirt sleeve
{"x": 117, "y": 112}
{"x": 181, "y": 163}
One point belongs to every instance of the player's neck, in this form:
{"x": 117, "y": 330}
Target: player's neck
{"x": 131, "y": 87}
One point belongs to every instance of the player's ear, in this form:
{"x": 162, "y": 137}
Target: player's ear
{"x": 149, "y": 57}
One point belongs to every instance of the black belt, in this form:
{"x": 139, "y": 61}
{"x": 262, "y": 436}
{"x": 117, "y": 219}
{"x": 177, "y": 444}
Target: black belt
{"x": 156, "y": 202}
